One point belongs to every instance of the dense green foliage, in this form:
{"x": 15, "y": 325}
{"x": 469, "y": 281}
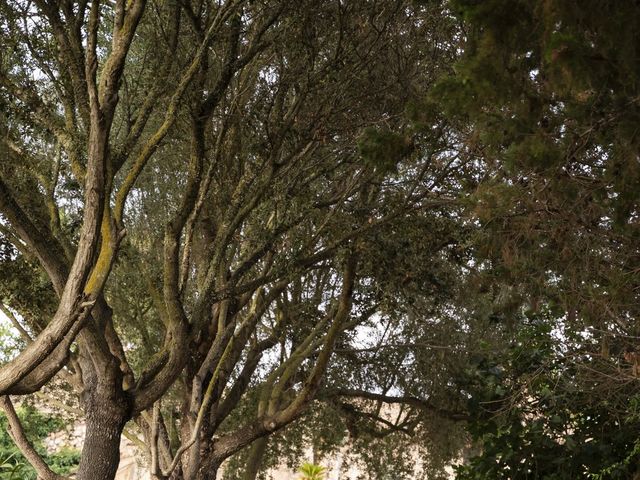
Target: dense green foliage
{"x": 310, "y": 214}
{"x": 37, "y": 426}
{"x": 548, "y": 95}
{"x": 546, "y": 98}
{"x": 534, "y": 419}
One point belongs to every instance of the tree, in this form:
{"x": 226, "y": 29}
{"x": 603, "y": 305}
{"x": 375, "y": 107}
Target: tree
{"x": 186, "y": 174}
{"x": 548, "y": 103}
{"x": 545, "y": 96}
{"x": 534, "y": 418}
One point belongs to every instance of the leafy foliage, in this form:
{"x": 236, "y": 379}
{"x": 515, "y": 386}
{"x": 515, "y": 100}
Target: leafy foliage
{"x": 11, "y": 467}
{"x": 37, "y": 426}
{"x": 542, "y": 97}
{"x": 382, "y": 149}
{"x": 311, "y": 471}
{"x": 24, "y": 286}
{"x": 533, "y": 417}
{"x": 278, "y": 205}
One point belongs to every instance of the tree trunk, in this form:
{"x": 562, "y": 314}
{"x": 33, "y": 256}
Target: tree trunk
{"x": 208, "y": 470}
{"x": 255, "y": 458}
{"x": 106, "y": 414}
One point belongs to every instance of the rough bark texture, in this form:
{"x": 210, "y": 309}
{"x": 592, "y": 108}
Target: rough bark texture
{"x": 255, "y": 458}
{"x": 208, "y": 470}
{"x": 107, "y": 413}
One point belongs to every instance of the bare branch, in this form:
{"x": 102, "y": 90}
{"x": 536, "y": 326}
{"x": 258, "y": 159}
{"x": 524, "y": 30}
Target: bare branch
{"x": 16, "y": 324}
{"x": 228, "y": 444}
{"x": 402, "y": 399}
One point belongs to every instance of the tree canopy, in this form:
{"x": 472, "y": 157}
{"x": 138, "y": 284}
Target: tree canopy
{"x": 546, "y": 94}
{"x": 231, "y": 227}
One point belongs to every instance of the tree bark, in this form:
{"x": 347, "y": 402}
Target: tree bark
{"x": 208, "y": 470}
{"x": 107, "y": 413}
{"x": 254, "y": 462}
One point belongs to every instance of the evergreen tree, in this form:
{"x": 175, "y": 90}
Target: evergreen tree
{"x": 546, "y": 97}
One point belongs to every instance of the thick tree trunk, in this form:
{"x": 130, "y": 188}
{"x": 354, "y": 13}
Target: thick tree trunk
{"x": 106, "y": 415}
{"x": 208, "y": 470}
{"x": 175, "y": 475}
